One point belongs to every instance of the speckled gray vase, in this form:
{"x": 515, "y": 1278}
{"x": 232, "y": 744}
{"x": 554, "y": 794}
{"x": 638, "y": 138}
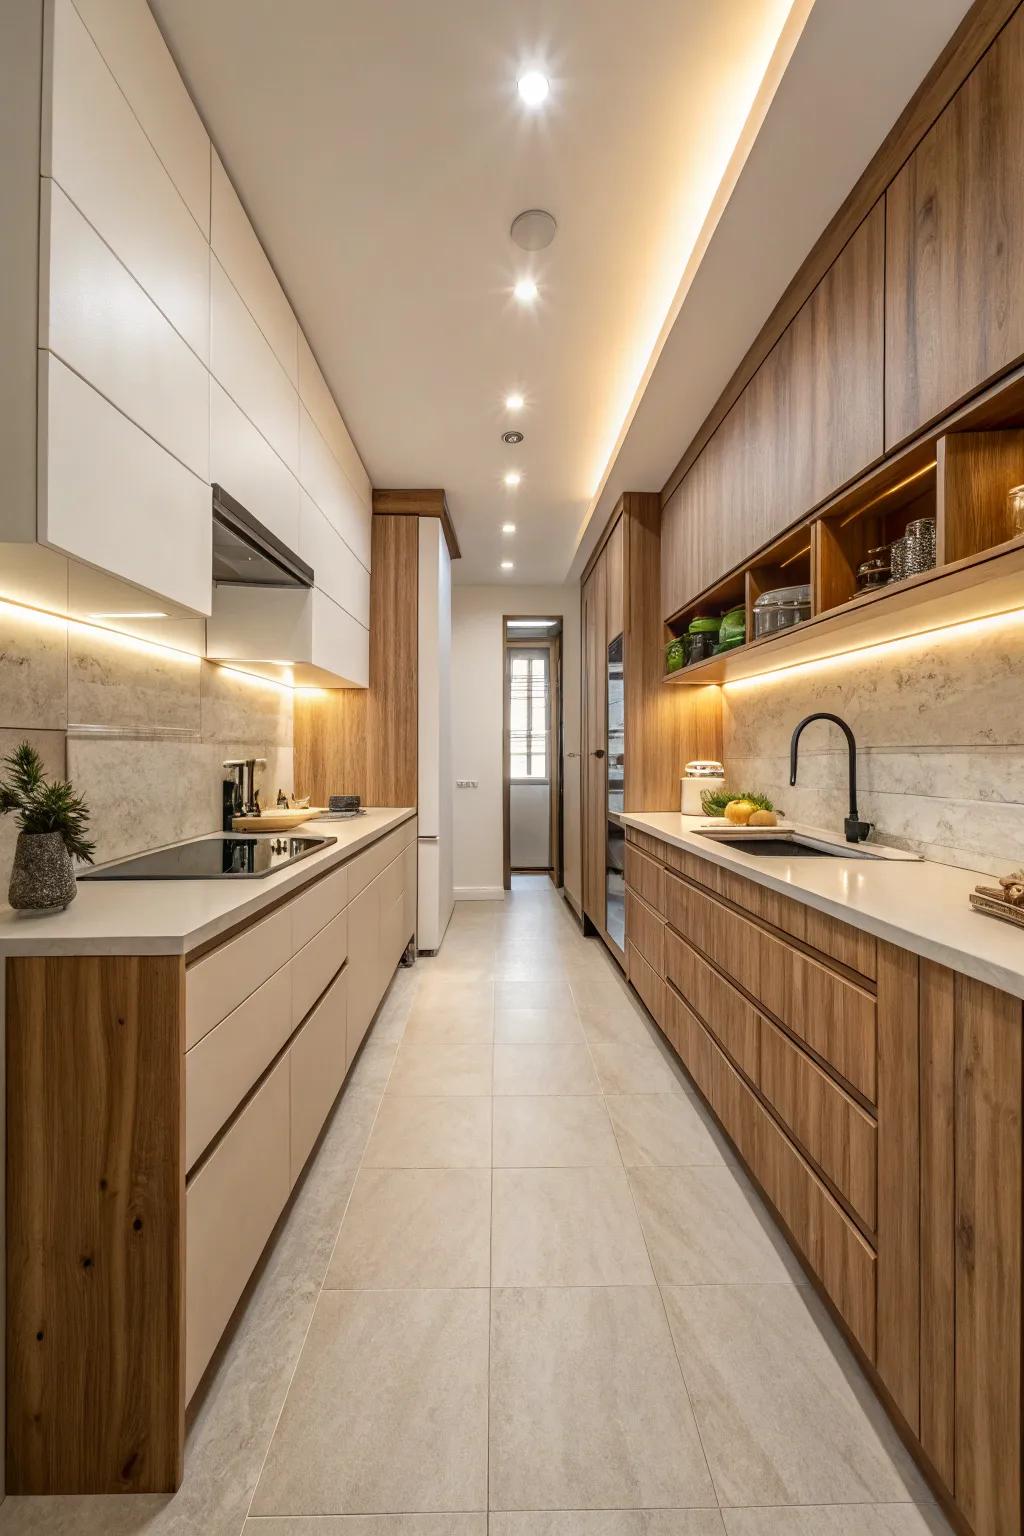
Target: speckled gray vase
{"x": 42, "y": 879}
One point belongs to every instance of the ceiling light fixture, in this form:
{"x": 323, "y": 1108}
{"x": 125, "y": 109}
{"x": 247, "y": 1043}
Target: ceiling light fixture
{"x": 141, "y": 614}
{"x": 508, "y": 527}
{"x": 525, "y": 290}
{"x": 508, "y": 565}
{"x": 513, "y": 402}
{"x": 513, "y": 439}
{"x": 533, "y": 87}
{"x": 513, "y": 477}
{"x": 532, "y": 623}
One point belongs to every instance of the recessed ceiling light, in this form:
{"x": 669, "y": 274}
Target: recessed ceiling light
{"x": 533, "y": 87}
{"x": 525, "y": 290}
{"x": 513, "y": 477}
{"x": 508, "y": 565}
{"x": 513, "y": 439}
{"x": 508, "y": 527}
{"x": 513, "y": 402}
{"x": 532, "y": 623}
{"x": 534, "y": 229}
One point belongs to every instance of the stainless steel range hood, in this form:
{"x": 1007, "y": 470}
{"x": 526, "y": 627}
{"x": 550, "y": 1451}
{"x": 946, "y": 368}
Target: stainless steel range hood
{"x": 246, "y": 554}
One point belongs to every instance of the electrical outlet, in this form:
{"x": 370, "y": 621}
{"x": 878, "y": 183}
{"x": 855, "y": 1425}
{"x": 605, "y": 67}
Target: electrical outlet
{"x": 467, "y": 783}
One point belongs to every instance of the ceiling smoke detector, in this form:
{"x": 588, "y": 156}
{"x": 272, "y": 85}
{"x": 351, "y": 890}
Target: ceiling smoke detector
{"x": 533, "y": 230}
{"x": 512, "y": 438}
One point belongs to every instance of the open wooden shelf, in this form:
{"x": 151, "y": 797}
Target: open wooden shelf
{"x": 980, "y": 586}
{"x": 959, "y": 473}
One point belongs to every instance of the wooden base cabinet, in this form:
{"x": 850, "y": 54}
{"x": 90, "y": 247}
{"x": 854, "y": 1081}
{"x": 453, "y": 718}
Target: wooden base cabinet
{"x": 159, "y": 1112}
{"x": 878, "y": 1100}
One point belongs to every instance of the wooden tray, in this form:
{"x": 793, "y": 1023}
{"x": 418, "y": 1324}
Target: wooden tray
{"x": 993, "y": 907}
{"x": 275, "y": 820}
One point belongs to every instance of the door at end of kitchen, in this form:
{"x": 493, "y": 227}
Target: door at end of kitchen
{"x": 533, "y": 836}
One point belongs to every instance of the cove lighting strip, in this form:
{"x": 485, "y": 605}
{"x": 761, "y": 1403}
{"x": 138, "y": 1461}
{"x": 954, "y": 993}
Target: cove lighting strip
{"x": 136, "y": 643}
{"x": 1014, "y": 616}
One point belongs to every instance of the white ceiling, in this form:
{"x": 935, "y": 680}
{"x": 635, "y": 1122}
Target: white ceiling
{"x": 382, "y": 151}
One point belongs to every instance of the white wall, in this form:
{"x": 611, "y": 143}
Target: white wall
{"x": 477, "y": 680}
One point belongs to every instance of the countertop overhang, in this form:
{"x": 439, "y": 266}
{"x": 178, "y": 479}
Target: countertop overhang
{"x": 919, "y": 905}
{"x": 172, "y": 917}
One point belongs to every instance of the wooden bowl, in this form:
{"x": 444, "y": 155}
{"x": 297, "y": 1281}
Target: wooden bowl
{"x": 275, "y": 820}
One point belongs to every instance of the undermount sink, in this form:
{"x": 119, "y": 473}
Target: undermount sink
{"x": 783, "y": 844}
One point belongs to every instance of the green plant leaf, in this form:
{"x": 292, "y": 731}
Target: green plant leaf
{"x": 43, "y": 807}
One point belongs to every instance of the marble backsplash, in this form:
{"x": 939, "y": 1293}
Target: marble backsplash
{"x": 939, "y": 723}
{"x": 141, "y": 732}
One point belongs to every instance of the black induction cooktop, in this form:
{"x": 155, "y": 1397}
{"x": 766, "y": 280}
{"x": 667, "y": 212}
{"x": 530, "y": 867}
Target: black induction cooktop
{"x": 214, "y": 858}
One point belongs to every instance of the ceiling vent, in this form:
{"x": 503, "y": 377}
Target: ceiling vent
{"x": 533, "y": 230}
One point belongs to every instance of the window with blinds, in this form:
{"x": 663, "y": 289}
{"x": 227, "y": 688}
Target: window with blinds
{"x": 528, "y": 716}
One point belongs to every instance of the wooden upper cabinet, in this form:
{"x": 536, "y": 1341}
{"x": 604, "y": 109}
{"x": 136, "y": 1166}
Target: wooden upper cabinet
{"x": 809, "y": 420}
{"x": 613, "y": 560}
{"x": 955, "y": 246}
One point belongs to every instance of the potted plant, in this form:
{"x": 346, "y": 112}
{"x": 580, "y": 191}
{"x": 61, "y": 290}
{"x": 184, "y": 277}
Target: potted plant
{"x": 52, "y": 822}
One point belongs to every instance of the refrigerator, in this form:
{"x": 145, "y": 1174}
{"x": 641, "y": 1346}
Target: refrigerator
{"x": 436, "y": 879}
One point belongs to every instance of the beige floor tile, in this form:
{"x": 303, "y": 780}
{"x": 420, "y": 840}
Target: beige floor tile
{"x": 426, "y": 1228}
{"x": 434, "y": 1025}
{"x": 532, "y": 991}
{"x": 625, "y": 1068}
{"x": 566, "y": 1226}
{"x": 614, "y": 1026}
{"x": 609, "y": 1522}
{"x": 784, "y": 1412}
{"x": 352, "y": 1122}
{"x": 447, "y": 1132}
{"x": 538, "y": 1026}
{"x": 370, "y": 1072}
{"x": 837, "y": 1520}
{"x": 442, "y": 1067}
{"x": 388, "y": 1408}
{"x": 663, "y": 1130}
{"x": 588, "y": 1408}
{"x": 532, "y": 1069}
{"x": 548, "y": 1131}
{"x": 370, "y": 1525}
{"x": 706, "y": 1226}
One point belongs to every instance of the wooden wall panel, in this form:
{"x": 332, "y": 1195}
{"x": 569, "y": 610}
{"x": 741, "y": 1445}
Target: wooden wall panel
{"x": 665, "y": 727}
{"x": 95, "y": 1224}
{"x": 392, "y": 710}
{"x": 594, "y": 739}
{"x": 898, "y": 1231}
{"x": 938, "y": 1215}
{"x": 330, "y": 744}
{"x": 988, "y": 1258}
{"x": 975, "y": 471}
{"x": 955, "y": 246}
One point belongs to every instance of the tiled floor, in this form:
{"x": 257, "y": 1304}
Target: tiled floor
{"x": 522, "y": 1275}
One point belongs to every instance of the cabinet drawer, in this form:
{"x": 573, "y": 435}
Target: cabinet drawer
{"x": 645, "y": 930}
{"x": 231, "y": 1208}
{"x": 647, "y": 843}
{"x": 648, "y": 984}
{"x": 312, "y": 910}
{"x": 316, "y": 963}
{"x": 831, "y": 1244}
{"x": 690, "y": 1039}
{"x": 366, "y": 866}
{"x": 319, "y": 1061}
{"x": 221, "y": 1069}
{"x": 392, "y": 881}
{"x": 644, "y": 877}
{"x": 837, "y": 940}
{"x": 410, "y": 866}
{"x": 827, "y": 1123}
{"x": 364, "y": 967}
{"x": 835, "y": 1017}
{"x": 216, "y": 984}
{"x": 726, "y": 1012}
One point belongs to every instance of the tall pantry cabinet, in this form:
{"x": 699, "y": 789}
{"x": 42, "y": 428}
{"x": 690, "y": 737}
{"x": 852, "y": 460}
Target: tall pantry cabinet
{"x": 637, "y": 735}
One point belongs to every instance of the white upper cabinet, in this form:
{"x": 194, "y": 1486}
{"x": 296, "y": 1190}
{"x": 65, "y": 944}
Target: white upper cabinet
{"x": 242, "y": 360}
{"x": 336, "y": 569}
{"x": 327, "y": 646}
{"x": 112, "y": 497}
{"x": 239, "y": 252}
{"x": 319, "y": 402}
{"x": 129, "y": 39}
{"x": 94, "y": 146}
{"x": 243, "y": 462}
{"x": 97, "y": 319}
{"x": 328, "y": 485}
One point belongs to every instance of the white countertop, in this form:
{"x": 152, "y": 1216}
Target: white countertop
{"x": 919, "y": 905}
{"x": 171, "y": 917}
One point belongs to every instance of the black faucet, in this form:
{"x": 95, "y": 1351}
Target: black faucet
{"x": 855, "y": 829}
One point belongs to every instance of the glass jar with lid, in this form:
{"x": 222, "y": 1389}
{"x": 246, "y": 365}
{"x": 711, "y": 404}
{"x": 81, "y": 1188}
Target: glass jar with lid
{"x": 781, "y": 608}
{"x": 701, "y": 638}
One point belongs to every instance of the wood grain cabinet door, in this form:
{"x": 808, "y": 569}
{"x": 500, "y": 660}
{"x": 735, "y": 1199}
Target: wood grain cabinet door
{"x": 955, "y": 246}
{"x": 595, "y": 662}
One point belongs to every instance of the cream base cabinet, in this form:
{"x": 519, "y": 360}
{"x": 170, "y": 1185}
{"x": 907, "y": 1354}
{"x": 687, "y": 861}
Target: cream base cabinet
{"x": 365, "y": 964}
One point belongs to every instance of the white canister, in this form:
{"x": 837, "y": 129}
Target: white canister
{"x": 697, "y": 777}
